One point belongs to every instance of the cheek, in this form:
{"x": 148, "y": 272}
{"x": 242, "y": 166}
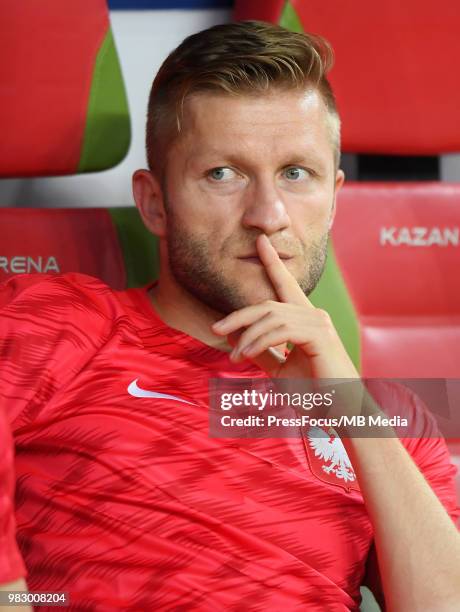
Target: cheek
{"x": 316, "y": 210}
{"x": 193, "y": 225}
{"x": 209, "y": 206}
{"x": 311, "y": 218}
{"x": 214, "y": 217}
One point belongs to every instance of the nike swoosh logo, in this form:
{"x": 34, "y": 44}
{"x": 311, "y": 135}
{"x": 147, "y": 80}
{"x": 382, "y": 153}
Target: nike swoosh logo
{"x": 136, "y": 391}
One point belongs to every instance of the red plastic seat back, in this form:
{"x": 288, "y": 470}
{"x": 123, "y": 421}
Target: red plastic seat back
{"x": 61, "y": 240}
{"x": 398, "y": 248}
{"x": 63, "y": 102}
{"x": 394, "y": 75}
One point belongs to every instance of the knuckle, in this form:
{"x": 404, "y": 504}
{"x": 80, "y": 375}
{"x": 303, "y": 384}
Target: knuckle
{"x": 324, "y": 316}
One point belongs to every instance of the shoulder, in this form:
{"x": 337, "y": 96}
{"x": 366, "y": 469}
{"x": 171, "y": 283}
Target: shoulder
{"x": 399, "y": 399}
{"x": 58, "y": 297}
{"x": 72, "y": 287}
{"x": 50, "y": 327}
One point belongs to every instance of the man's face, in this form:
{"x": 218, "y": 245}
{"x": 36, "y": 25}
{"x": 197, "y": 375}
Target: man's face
{"x": 243, "y": 166}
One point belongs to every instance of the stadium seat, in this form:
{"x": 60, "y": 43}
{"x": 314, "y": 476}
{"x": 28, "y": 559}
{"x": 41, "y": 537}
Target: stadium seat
{"x": 396, "y": 248}
{"x": 109, "y": 243}
{"x": 64, "y": 106}
{"x": 393, "y": 75}
{"x": 391, "y": 282}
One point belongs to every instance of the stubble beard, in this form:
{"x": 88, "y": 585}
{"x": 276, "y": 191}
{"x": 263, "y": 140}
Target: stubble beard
{"x": 207, "y": 281}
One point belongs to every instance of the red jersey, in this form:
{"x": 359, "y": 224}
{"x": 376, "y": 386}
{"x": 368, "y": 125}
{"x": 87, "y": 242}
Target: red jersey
{"x": 125, "y": 502}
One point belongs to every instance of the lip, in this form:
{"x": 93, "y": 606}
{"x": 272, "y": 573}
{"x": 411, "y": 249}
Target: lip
{"x": 254, "y": 260}
{"x": 280, "y": 255}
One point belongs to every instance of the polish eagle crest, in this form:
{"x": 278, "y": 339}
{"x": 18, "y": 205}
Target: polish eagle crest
{"x": 328, "y": 447}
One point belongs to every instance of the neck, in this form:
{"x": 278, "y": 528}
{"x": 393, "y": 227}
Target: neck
{"x": 182, "y": 311}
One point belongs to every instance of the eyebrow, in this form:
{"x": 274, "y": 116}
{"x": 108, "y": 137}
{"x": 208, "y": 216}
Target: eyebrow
{"x": 290, "y": 159}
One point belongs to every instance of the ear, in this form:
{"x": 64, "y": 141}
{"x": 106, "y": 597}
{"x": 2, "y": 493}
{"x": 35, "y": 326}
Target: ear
{"x": 149, "y": 201}
{"x": 339, "y": 180}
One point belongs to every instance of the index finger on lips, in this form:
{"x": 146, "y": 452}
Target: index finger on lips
{"x": 286, "y": 286}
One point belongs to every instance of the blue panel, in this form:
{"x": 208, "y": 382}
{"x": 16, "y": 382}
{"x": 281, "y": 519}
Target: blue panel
{"x": 168, "y": 4}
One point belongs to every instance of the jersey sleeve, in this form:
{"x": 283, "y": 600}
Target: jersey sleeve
{"x": 49, "y": 326}
{"x": 11, "y": 564}
{"x": 431, "y": 454}
{"x": 426, "y": 446}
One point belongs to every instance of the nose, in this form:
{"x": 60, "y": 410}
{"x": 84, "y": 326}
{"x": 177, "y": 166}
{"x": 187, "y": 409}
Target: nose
{"x": 265, "y": 209}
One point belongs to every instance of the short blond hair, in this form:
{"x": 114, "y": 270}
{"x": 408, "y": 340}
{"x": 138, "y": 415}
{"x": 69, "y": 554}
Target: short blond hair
{"x": 242, "y": 58}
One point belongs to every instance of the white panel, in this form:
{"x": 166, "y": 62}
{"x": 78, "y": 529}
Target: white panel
{"x": 450, "y": 168}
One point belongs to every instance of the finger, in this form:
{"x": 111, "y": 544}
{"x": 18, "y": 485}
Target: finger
{"x": 262, "y": 326}
{"x": 286, "y": 286}
{"x": 241, "y": 318}
{"x": 273, "y": 337}
{"x": 297, "y": 365}
{"x": 269, "y": 361}
{"x": 234, "y": 339}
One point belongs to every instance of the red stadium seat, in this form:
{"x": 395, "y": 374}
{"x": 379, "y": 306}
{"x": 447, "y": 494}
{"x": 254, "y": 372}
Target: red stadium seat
{"x": 109, "y": 243}
{"x": 394, "y": 73}
{"x": 58, "y": 240}
{"x": 64, "y": 107}
{"x": 391, "y": 282}
{"x": 397, "y": 247}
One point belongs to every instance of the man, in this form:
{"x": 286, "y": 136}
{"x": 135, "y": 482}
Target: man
{"x": 123, "y": 500}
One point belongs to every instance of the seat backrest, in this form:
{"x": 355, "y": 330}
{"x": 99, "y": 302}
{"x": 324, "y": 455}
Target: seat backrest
{"x": 109, "y": 243}
{"x": 397, "y": 248}
{"x": 64, "y": 106}
{"x": 396, "y": 95}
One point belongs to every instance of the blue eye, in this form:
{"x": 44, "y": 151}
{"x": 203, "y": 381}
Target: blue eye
{"x": 221, "y": 174}
{"x": 295, "y": 173}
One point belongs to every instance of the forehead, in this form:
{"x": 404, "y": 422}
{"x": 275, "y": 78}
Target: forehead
{"x": 271, "y": 123}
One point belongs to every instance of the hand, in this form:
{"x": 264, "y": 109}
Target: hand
{"x": 318, "y": 351}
